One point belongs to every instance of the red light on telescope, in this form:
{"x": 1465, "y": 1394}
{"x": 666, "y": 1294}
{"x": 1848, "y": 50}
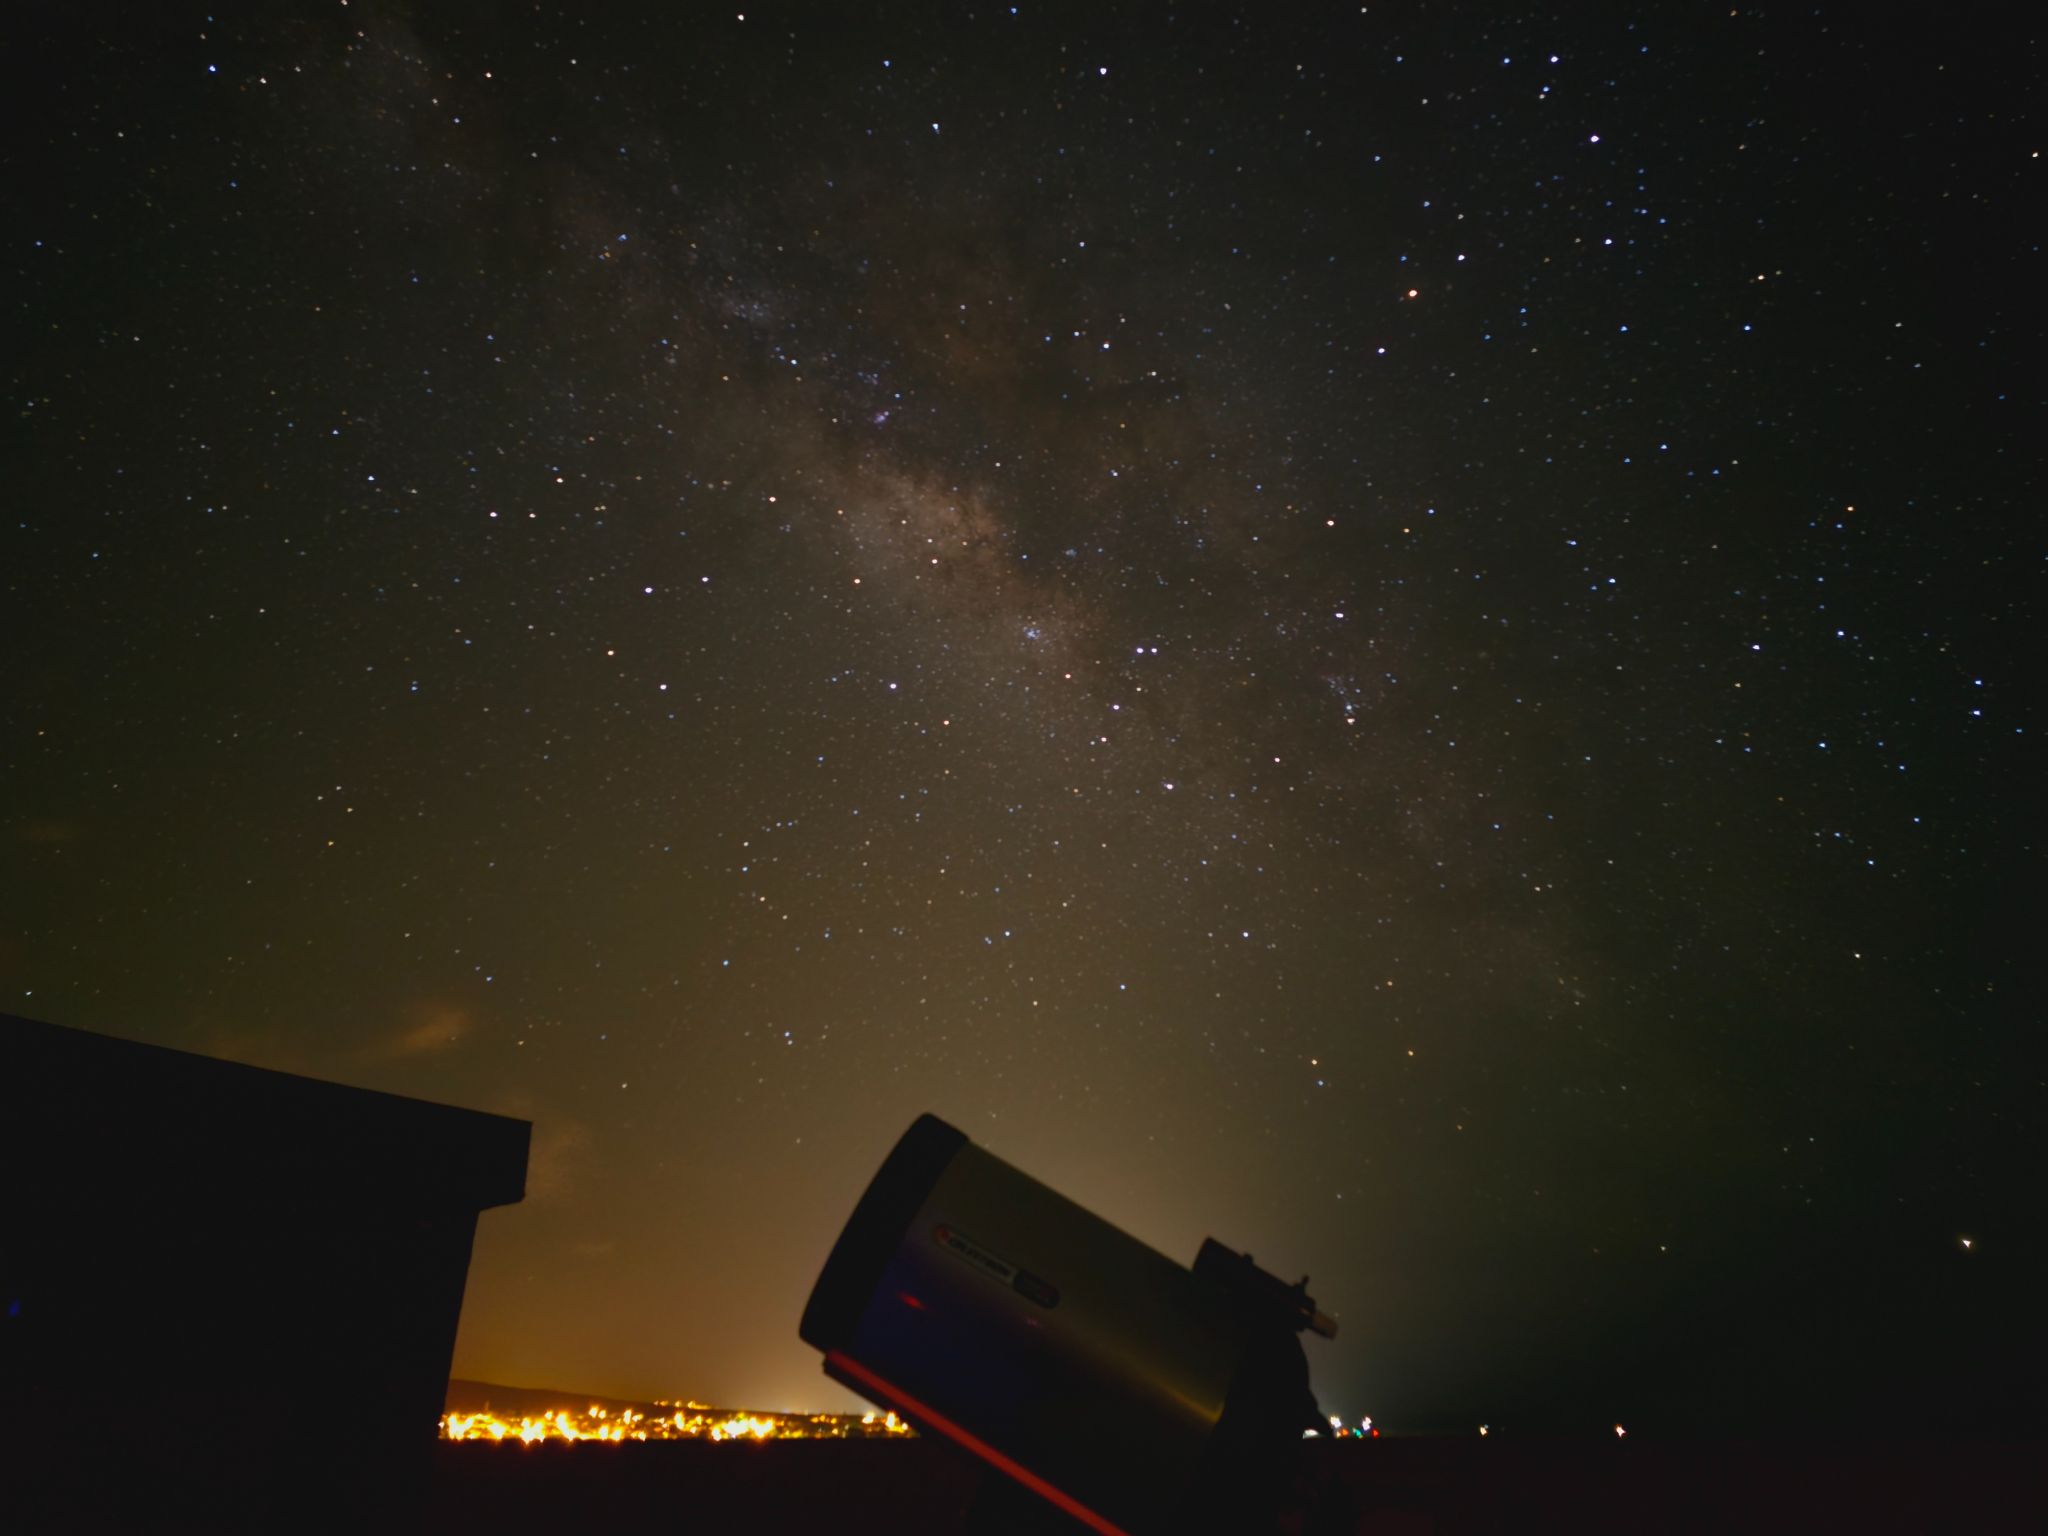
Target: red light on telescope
{"x": 869, "y": 1384}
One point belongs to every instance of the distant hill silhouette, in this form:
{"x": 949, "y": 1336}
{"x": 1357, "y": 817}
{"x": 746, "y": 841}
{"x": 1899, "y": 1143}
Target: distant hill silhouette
{"x": 466, "y": 1396}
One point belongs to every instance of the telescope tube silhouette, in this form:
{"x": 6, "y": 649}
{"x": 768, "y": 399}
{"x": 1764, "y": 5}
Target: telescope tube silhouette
{"x": 1136, "y": 1394}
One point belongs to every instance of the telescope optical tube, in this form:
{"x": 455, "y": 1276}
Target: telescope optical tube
{"x": 1135, "y": 1394}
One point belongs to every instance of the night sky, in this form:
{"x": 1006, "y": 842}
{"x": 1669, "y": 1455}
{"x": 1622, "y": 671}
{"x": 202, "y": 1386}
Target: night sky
{"x": 1396, "y": 635}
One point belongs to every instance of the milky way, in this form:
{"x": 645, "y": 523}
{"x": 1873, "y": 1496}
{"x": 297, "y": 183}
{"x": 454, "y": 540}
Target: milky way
{"x": 1392, "y": 639}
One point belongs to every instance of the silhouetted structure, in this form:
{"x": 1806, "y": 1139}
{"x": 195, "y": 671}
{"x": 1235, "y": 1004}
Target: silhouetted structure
{"x": 181, "y": 1238}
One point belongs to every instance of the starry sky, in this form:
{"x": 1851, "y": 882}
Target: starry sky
{"x": 1393, "y": 634}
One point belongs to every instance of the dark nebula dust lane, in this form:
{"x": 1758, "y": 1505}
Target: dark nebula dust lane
{"x": 1399, "y": 639}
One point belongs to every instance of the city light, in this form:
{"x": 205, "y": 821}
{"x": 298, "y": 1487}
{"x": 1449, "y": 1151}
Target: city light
{"x": 1363, "y": 1430}
{"x": 689, "y": 1422}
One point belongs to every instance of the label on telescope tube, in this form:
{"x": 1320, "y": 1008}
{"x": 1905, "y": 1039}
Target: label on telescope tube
{"x": 1022, "y": 1281}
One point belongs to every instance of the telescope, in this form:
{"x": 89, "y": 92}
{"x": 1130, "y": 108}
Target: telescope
{"x": 1138, "y": 1396}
